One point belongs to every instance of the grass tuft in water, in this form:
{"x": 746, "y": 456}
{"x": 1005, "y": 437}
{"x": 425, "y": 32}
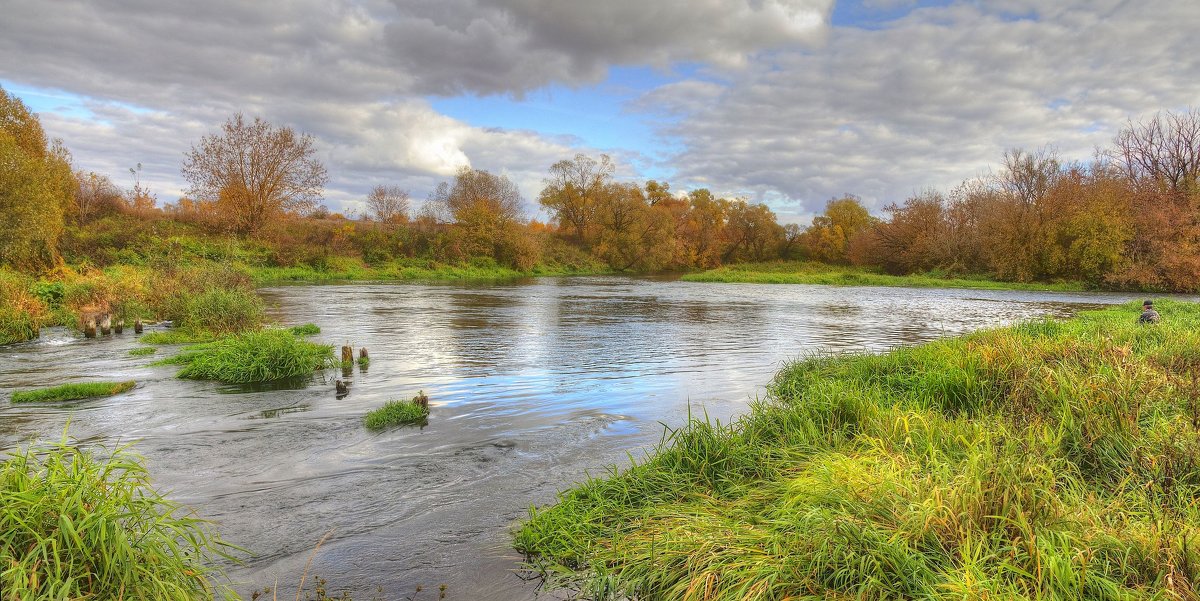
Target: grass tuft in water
{"x": 399, "y": 412}
{"x": 308, "y": 329}
{"x": 174, "y": 336}
{"x": 261, "y": 356}
{"x": 142, "y": 351}
{"x": 78, "y": 525}
{"x": 71, "y": 392}
{"x": 1050, "y": 460}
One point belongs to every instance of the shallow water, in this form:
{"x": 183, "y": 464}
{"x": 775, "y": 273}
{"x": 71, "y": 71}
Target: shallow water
{"x": 532, "y": 384}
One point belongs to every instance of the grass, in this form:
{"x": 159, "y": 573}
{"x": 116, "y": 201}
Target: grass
{"x": 398, "y": 412}
{"x": 71, "y": 392}
{"x": 175, "y": 336}
{"x": 807, "y": 272}
{"x": 21, "y": 312}
{"x": 1049, "y": 460}
{"x": 143, "y": 351}
{"x": 308, "y": 329}
{"x": 79, "y": 525}
{"x": 259, "y": 356}
{"x": 405, "y": 270}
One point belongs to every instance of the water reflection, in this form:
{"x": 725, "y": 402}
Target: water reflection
{"x": 531, "y": 386}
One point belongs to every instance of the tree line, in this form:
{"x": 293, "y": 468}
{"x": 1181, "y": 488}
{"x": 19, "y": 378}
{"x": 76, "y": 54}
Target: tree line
{"x": 1126, "y": 219}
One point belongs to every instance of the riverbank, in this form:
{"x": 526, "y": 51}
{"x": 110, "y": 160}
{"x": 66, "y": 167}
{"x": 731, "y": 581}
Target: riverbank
{"x": 807, "y": 272}
{"x": 410, "y": 271}
{"x": 1045, "y": 460}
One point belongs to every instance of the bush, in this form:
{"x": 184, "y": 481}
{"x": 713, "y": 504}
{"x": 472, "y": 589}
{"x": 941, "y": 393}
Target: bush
{"x": 77, "y": 526}
{"x": 21, "y": 313}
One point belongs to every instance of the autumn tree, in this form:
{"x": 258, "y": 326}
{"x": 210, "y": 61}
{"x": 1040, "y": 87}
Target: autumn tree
{"x": 630, "y": 233}
{"x": 486, "y": 211}
{"x": 36, "y": 188}
{"x": 751, "y": 232}
{"x": 254, "y": 172}
{"x": 572, "y": 191}
{"x": 95, "y": 195}
{"x": 830, "y": 233}
{"x": 388, "y": 204}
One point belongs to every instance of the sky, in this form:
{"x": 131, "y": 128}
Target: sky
{"x": 787, "y": 102}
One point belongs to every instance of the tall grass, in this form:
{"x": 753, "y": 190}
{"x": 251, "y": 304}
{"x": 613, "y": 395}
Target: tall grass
{"x": 808, "y": 272}
{"x": 1050, "y": 460}
{"x": 71, "y": 392}
{"x": 77, "y": 525}
{"x": 259, "y": 356}
{"x": 21, "y": 312}
{"x": 398, "y": 412}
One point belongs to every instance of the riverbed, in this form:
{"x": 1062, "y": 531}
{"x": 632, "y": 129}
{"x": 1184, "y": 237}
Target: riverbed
{"x": 533, "y": 385}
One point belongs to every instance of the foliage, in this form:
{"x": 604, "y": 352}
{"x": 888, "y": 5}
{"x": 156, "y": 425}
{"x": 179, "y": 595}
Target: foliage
{"x": 143, "y": 351}
{"x": 258, "y": 356}
{"x": 75, "y": 525}
{"x": 388, "y": 204}
{"x": 21, "y": 311}
{"x": 255, "y": 172}
{"x": 71, "y": 392}
{"x": 1049, "y": 460}
{"x": 36, "y": 189}
{"x": 398, "y": 412}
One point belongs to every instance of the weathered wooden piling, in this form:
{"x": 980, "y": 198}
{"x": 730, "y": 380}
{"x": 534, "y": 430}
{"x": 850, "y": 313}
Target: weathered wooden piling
{"x": 341, "y": 387}
{"x": 89, "y": 326}
{"x": 105, "y": 324}
{"x": 347, "y": 355}
{"x": 137, "y": 326}
{"x": 119, "y": 327}
{"x": 362, "y": 355}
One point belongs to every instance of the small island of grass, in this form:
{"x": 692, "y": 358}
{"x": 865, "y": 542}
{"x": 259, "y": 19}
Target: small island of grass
{"x": 72, "y": 392}
{"x": 399, "y": 412}
{"x": 142, "y": 351}
{"x": 254, "y": 356}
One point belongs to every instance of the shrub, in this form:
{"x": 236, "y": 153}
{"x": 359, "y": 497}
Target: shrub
{"x": 77, "y": 526}
{"x": 21, "y": 313}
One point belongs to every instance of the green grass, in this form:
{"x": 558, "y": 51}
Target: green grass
{"x": 803, "y": 272}
{"x": 176, "y": 336}
{"x": 81, "y": 525}
{"x": 1049, "y": 460}
{"x": 260, "y": 356}
{"x": 308, "y": 329}
{"x": 404, "y": 270}
{"x": 142, "y": 351}
{"x": 398, "y": 412}
{"x": 71, "y": 392}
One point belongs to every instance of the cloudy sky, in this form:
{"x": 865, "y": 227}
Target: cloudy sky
{"x": 786, "y": 101}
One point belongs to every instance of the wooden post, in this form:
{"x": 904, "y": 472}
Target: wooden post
{"x": 362, "y": 354}
{"x": 89, "y": 326}
{"x": 347, "y": 355}
{"x": 119, "y": 327}
{"x": 105, "y": 324}
{"x": 137, "y": 325}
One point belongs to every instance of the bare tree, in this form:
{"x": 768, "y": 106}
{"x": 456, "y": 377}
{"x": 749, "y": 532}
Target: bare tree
{"x": 1161, "y": 153}
{"x": 254, "y": 172}
{"x": 388, "y": 204}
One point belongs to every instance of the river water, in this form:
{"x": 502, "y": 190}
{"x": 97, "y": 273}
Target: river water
{"x": 532, "y": 386}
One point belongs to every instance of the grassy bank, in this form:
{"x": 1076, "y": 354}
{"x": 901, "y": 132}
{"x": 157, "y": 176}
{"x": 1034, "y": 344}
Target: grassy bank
{"x": 413, "y": 270}
{"x": 1050, "y": 460}
{"x": 78, "y": 525}
{"x": 804, "y": 272}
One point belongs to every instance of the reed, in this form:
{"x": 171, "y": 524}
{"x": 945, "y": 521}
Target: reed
{"x": 71, "y": 392}
{"x": 1049, "y": 460}
{"x": 75, "y": 524}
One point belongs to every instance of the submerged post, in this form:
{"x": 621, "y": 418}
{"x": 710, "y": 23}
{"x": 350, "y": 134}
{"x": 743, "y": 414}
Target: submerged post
{"x": 347, "y": 355}
{"x": 119, "y": 327}
{"x": 89, "y": 326}
{"x": 105, "y": 324}
{"x": 137, "y": 325}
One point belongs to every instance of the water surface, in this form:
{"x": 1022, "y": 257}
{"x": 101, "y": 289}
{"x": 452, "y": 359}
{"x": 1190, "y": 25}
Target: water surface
{"x": 533, "y": 385}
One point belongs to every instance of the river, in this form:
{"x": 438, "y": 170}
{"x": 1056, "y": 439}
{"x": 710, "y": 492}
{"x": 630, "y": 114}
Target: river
{"x": 532, "y": 386}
